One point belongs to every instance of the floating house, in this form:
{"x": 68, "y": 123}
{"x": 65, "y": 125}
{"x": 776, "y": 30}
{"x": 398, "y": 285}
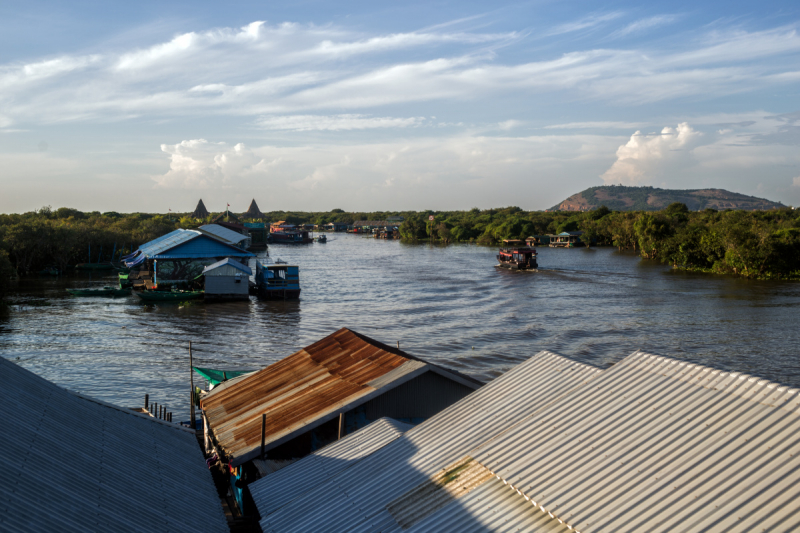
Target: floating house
{"x": 76, "y": 464}
{"x": 336, "y": 226}
{"x": 649, "y": 444}
{"x": 181, "y": 255}
{"x": 368, "y": 226}
{"x": 227, "y": 279}
{"x": 236, "y": 238}
{"x": 565, "y": 239}
{"x": 330, "y": 389}
{"x": 259, "y": 235}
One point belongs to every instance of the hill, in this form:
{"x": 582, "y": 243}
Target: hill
{"x": 623, "y": 198}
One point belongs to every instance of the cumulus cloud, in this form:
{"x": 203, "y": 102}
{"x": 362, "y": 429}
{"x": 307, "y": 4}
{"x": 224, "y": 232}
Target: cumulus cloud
{"x": 647, "y": 158}
{"x": 200, "y": 164}
{"x": 335, "y": 122}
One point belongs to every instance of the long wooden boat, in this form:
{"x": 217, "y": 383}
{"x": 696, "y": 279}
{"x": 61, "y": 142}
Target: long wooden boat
{"x": 170, "y": 296}
{"x": 105, "y": 291}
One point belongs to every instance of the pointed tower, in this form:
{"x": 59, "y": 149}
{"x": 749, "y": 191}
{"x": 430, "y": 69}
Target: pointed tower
{"x": 253, "y": 212}
{"x": 200, "y": 211}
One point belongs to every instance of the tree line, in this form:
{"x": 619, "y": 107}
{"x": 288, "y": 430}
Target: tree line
{"x": 758, "y": 244}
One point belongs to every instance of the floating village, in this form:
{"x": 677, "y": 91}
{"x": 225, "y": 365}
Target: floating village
{"x": 354, "y": 434}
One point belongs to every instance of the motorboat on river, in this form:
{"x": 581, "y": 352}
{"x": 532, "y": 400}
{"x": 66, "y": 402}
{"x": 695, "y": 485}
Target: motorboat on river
{"x": 516, "y": 255}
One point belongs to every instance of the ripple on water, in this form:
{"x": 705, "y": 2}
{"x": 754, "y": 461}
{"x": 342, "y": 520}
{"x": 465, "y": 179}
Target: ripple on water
{"x": 447, "y": 304}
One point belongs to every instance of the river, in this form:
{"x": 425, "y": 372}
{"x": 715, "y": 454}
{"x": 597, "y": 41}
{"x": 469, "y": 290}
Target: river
{"x": 447, "y": 304}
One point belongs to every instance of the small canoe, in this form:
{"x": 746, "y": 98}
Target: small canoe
{"x": 105, "y": 291}
{"x": 170, "y": 296}
{"x": 93, "y": 266}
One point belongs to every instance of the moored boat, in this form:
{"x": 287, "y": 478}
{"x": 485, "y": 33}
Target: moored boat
{"x": 169, "y": 296}
{"x": 278, "y": 281}
{"x": 105, "y": 291}
{"x": 517, "y": 256}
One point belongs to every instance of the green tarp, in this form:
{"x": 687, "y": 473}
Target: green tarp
{"x": 215, "y": 377}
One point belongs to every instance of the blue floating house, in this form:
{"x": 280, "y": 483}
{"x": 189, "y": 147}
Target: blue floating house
{"x": 181, "y": 255}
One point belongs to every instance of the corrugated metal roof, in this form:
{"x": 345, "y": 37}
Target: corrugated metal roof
{"x": 228, "y": 262}
{"x": 276, "y": 490}
{"x": 658, "y": 444}
{"x": 407, "y": 462}
{"x": 71, "y": 463}
{"x": 306, "y": 389}
{"x": 190, "y": 244}
{"x": 221, "y": 232}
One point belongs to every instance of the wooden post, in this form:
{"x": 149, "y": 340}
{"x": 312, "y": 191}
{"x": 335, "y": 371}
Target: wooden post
{"x": 341, "y": 425}
{"x": 398, "y": 345}
{"x": 154, "y": 410}
{"x": 263, "y": 432}
{"x": 146, "y": 399}
{"x": 191, "y": 384}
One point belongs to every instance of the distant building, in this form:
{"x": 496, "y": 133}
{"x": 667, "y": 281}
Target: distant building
{"x": 228, "y": 235}
{"x": 200, "y": 211}
{"x": 337, "y": 226}
{"x": 252, "y": 212}
{"x": 565, "y": 239}
{"x": 227, "y": 280}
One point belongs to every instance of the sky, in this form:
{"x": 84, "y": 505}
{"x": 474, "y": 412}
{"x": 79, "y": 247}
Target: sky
{"x": 368, "y": 106}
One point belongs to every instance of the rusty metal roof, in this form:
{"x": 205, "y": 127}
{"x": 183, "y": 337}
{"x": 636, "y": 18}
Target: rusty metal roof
{"x": 308, "y": 388}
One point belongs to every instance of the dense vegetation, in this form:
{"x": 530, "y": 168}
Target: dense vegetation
{"x": 758, "y": 244}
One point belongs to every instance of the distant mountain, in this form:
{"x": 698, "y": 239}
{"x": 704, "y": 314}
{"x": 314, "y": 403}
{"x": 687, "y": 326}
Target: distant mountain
{"x": 622, "y": 198}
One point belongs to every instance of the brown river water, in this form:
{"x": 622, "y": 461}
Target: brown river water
{"x": 447, "y": 304}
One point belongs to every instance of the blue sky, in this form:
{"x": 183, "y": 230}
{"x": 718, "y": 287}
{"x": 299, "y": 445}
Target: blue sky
{"x": 368, "y": 106}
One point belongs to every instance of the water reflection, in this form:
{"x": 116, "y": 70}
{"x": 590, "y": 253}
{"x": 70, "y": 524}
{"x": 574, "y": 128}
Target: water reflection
{"x": 448, "y": 304}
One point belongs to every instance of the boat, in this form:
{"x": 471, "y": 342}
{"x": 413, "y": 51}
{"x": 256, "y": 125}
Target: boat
{"x": 322, "y": 239}
{"x": 170, "y": 296}
{"x": 125, "y": 281}
{"x": 517, "y": 256}
{"x": 105, "y": 291}
{"x": 278, "y": 281}
{"x": 93, "y": 266}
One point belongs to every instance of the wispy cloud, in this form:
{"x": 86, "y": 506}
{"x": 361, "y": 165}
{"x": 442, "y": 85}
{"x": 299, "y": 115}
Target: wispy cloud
{"x": 585, "y": 23}
{"x": 335, "y": 122}
{"x": 594, "y": 125}
{"x": 644, "y": 24}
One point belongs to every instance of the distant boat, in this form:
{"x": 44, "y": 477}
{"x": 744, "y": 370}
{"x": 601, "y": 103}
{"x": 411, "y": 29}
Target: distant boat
{"x": 170, "y": 296}
{"x": 105, "y": 291}
{"x": 322, "y": 239}
{"x": 278, "y": 281}
{"x": 517, "y": 256}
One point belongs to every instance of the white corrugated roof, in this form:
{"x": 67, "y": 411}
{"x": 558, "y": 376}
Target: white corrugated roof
{"x": 223, "y": 233}
{"x": 71, "y": 463}
{"x": 658, "y": 444}
{"x": 279, "y": 488}
{"x": 229, "y": 262}
{"x": 411, "y": 460}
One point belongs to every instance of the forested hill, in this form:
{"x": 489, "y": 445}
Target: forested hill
{"x": 622, "y": 198}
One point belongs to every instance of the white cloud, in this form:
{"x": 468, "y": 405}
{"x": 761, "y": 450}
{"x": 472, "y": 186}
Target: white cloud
{"x": 796, "y": 181}
{"x": 648, "y": 158}
{"x": 200, "y": 164}
{"x": 335, "y": 122}
{"x": 593, "y": 125}
{"x": 645, "y": 24}
{"x": 584, "y": 23}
